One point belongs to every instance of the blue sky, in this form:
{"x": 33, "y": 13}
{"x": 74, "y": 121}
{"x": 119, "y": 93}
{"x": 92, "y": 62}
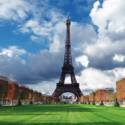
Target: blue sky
{"x": 32, "y": 38}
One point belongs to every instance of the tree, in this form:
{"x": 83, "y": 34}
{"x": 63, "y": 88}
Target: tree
{"x": 101, "y": 103}
{"x": 100, "y": 95}
{"x": 37, "y": 96}
{"x": 110, "y": 96}
{"x": 23, "y": 93}
{"x": 49, "y": 99}
{"x": 85, "y": 98}
{"x": 13, "y": 93}
{"x": 93, "y": 103}
{"x": 120, "y": 92}
{"x": 88, "y": 102}
{"x": 3, "y": 88}
{"x": 116, "y": 104}
{"x": 30, "y": 96}
{"x": 19, "y": 102}
{"x": 92, "y": 97}
{"x": 27, "y": 91}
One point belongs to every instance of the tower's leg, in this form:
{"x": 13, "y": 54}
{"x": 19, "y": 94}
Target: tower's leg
{"x": 62, "y": 78}
{"x": 73, "y": 79}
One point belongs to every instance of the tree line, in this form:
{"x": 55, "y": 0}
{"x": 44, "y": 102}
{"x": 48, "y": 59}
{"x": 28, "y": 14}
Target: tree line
{"x": 107, "y": 96}
{"x": 12, "y": 91}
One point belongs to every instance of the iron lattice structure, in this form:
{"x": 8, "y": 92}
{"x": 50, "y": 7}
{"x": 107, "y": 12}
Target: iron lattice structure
{"x": 67, "y": 69}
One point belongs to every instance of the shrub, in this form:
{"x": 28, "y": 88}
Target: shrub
{"x": 31, "y": 102}
{"x": 116, "y": 104}
{"x": 88, "y": 102}
{"x": 85, "y": 103}
{"x": 61, "y": 102}
{"x": 19, "y": 102}
{"x": 101, "y": 103}
{"x": 93, "y": 103}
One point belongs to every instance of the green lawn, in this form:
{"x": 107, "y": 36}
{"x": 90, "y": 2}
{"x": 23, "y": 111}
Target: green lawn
{"x": 73, "y": 114}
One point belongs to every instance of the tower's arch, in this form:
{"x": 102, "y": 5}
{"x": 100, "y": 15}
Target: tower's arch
{"x": 64, "y": 91}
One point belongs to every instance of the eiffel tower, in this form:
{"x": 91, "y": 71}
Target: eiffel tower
{"x": 67, "y": 69}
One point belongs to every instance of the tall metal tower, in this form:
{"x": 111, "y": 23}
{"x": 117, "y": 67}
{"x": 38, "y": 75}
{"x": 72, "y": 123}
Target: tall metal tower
{"x": 67, "y": 69}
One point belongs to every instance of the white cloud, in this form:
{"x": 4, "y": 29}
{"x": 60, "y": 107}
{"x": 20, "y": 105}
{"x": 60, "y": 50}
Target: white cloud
{"x": 83, "y": 60}
{"x": 34, "y": 38}
{"x": 119, "y": 58}
{"x": 109, "y": 18}
{"x": 14, "y": 9}
{"x": 35, "y": 27}
{"x": 47, "y": 29}
{"x": 105, "y": 47}
{"x": 13, "y": 51}
{"x": 45, "y": 87}
{"x": 93, "y": 79}
{"x": 82, "y": 34}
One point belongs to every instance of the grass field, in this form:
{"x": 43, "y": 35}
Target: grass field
{"x": 73, "y": 114}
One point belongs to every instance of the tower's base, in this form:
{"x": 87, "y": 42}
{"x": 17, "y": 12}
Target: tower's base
{"x": 62, "y": 88}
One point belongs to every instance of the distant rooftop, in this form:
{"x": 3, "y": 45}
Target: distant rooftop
{"x": 110, "y": 89}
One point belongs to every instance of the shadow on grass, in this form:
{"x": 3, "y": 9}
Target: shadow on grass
{"x": 85, "y": 123}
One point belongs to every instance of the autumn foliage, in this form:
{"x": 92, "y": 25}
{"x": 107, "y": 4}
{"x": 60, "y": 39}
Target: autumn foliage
{"x": 110, "y": 96}
{"x": 37, "y": 96}
{"x": 12, "y": 91}
{"x": 84, "y": 98}
{"x": 100, "y": 95}
{"x": 3, "y": 88}
{"x": 92, "y": 97}
{"x": 120, "y": 90}
{"x": 80, "y": 99}
{"x": 49, "y": 99}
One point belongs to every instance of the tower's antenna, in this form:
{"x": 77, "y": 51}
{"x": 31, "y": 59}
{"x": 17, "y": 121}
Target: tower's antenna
{"x": 68, "y": 15}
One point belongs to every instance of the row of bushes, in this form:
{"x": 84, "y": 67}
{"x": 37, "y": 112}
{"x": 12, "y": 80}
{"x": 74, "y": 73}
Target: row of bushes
{"x": 116, "y": 103}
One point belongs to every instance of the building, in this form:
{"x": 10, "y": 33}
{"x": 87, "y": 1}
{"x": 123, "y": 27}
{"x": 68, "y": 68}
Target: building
{"x": 74, "y": 97}
{"x": 110, "y": 90}
{"x": 61, "y": 96}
